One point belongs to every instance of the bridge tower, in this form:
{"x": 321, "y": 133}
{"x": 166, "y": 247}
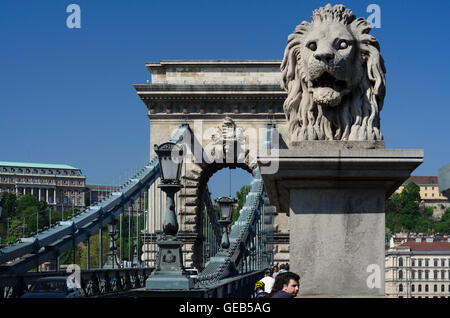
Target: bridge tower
{"x": 214, "y": 98}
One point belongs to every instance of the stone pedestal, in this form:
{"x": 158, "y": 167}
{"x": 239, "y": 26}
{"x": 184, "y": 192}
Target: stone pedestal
{"x": 335, "y": 196}
{"x": 168, "y": 274}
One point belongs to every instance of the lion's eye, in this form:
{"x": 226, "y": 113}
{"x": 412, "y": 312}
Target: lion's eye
{"x": 312, "y": 46}
{"x": 343, "y": 45}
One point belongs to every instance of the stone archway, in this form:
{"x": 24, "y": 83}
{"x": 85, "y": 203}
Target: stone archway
{"x": 247, "y": 92}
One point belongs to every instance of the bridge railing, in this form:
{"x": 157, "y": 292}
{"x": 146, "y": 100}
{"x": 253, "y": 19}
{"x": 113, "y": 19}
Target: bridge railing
{"x": 32, "y": 251}
{"x": 245, "y": 242}
{"x": 94, "y": 282}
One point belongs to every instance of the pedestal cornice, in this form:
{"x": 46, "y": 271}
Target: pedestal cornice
{"x": 337, "y": 168}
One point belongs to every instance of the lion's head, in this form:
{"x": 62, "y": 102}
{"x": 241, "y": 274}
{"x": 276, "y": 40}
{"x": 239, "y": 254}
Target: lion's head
{"x": 334, "y": 76}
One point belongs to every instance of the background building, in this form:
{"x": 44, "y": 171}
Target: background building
{"x": 61, "y": 186}
{"x": 418, "y": 267}
{"x": 429, "y": 193}
{"x": 96, "y": 192}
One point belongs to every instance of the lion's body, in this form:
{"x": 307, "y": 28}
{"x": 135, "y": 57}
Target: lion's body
{"x": 334, "y": 76}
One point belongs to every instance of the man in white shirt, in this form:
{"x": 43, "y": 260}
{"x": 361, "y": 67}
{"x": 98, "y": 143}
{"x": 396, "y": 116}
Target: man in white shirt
{"x": 268, "y": 281}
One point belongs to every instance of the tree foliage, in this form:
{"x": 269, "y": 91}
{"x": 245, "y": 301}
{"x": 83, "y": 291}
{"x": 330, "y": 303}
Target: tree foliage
{"x": 403, "y": 214}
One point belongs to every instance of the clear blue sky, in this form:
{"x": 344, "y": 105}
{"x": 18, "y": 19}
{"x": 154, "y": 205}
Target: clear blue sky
{"x": 66, "y": 95}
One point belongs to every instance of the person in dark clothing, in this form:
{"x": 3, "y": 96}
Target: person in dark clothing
{"x": 286, "y": 285}
{"x": 259, "y": 290}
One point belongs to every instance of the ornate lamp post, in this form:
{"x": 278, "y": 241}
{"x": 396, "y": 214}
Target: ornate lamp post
{"x": 226, "y": 211}
{"x": 112, "y": 261}
{"x": 168, "y": 273}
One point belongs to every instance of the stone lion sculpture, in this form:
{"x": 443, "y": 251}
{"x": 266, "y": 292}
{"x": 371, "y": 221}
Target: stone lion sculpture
{"x": 334, "y": 75}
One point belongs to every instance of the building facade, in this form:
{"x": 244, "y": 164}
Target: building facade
{"x": 98, "y": 192}
{"x": 418, "y": 268}
{"x": 430, "y": 194}
{"x": 61, "y": 186}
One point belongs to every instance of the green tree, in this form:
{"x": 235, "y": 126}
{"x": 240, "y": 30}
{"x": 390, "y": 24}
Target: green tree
{"x": 241, "y": 197}
{"x": 443, "y": 225}
{"x": 402, "y": 212}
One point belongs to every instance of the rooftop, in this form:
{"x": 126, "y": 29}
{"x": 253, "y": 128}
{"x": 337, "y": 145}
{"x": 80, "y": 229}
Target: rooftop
{"x": 427, "y": 246}
{"x": 422, "y": 180}
{"x": 36, "y": 165}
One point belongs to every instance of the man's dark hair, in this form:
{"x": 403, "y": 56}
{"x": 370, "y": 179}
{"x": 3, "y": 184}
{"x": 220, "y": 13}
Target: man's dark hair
{"x": 268, "y": 271}
{"x": 287, "y": 277}
{"x": 281, "y": 280}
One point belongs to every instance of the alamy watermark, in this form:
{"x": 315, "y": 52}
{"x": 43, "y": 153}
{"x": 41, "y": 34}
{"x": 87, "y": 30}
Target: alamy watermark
{"x": 74, "y": 279}
{"x": 374, "y": 279}
{"x": 375, "y": 18}
{"x": 73, "y": 21}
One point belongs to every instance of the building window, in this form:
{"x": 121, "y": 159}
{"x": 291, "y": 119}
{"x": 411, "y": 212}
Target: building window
{"x": 443, "y": 288}
{"x": 419, "y": 288}
{"x": 413, "y": 262}
{"x": 400, "y": 274}
{"x": 442, "y": 275}
{"x": 435, "y": 288}
{"x": 413, "y": 288}
{"x": 72, "y": 182}
{"x": 400, "y": 261}
{"x": 79, "y": 201}
{"x": 443, "y": 262}
{"x": 400, "y": 288}
{"x": 435, "y": 262}
{"x": 427, "y": 274}
{"x": 65, "y": 181}
{"x": 435, "y": 275}
{"x": 413, "y": 274}
{"x": 65, "y": 200}
{"x": 426, "y": 288}
{"x": 420, "y": 263}
{"x": 427, "y": 262}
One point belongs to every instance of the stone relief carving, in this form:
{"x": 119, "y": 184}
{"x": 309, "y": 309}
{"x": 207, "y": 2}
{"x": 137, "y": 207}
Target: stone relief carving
{"x": 334, "y": 75}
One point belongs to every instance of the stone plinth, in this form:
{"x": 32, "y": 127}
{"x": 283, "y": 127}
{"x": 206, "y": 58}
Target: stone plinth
{"x": 335, "y": 197}
{"x": 168, "y": 274}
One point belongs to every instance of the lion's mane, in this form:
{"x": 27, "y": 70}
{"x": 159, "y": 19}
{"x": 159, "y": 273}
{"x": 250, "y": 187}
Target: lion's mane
{"x": 357, "y": 117}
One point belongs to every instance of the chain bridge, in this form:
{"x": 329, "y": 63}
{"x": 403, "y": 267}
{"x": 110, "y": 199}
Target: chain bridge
{"x": 206, "y": 106}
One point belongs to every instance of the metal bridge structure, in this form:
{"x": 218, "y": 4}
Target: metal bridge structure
{"x": 228, "y": 97}
{"x": 249, "y": 252}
